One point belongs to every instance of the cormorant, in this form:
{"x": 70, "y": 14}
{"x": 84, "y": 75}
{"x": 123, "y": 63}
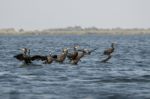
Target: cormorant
{"x": 60, "y": 58}
{"x": 73, "y": 55}
{"x": 23, "y": 56}
{"x": 28, "y": 59}
{"x": 110, "y": 50}
{"x": 78, "y": 57}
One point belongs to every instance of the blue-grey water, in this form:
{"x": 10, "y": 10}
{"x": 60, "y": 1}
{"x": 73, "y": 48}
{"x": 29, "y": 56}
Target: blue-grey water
{"x": 125, "y": 76}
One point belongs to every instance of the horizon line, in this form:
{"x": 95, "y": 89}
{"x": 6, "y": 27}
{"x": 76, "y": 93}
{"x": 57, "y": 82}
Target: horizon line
{"x": 76, "y": 26}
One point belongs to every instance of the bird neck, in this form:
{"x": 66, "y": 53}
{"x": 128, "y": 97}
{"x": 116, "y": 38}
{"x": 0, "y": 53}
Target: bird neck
{"x": 112, "y": 46}
{"x": 75, "y": 49}
{"x": 65, "y": 53}
{"x": 28, "y": 52}
{"x": 24, "y": 53}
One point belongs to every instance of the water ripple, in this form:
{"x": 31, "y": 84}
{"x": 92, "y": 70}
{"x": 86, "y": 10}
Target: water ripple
{"x": 125, "y": 76}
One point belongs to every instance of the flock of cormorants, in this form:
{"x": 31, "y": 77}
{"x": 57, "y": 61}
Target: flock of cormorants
{"x": 73, "y": 57}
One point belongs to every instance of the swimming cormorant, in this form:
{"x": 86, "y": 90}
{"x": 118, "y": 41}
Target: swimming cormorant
{"x": 73, "y": 55}
{"x": 110, "y": 50}
{"x": 28, "y": 59}
{"x": 23, "y": 56}
{"x": 78, "y": 57}
{"x": 60, "y": 58}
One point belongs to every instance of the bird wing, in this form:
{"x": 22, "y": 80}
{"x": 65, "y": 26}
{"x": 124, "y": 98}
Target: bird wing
{"x": 19, "y": 57}
{"x": 38, "y": 57}
{"x": 72, "y": 56}
{"x": 105, "y": 60}
{"x": 54, "y": 56}
{"x": 92, "y": 50}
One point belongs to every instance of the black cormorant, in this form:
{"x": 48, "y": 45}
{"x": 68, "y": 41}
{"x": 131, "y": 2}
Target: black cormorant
{"x": 110, "y": 50}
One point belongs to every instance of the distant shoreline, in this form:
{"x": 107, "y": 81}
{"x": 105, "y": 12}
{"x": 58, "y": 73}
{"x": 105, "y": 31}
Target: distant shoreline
{"x": 75, "y": 30}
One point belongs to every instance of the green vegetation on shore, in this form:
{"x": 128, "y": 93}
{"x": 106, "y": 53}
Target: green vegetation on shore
{"x": 75, "y": 30}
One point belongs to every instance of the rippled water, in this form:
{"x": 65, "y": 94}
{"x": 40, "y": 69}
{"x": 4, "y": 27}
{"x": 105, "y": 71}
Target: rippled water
{"x": 125, "y": 76}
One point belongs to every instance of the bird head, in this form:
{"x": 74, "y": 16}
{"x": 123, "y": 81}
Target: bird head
{"x": 76, "y": 47}
{"x": 65, "y": 49}
{"x": 86, "y": 49}
{"x": 24, "y": 50}
{"x": 50, "y": 53}
{"x": 112, "y": 44}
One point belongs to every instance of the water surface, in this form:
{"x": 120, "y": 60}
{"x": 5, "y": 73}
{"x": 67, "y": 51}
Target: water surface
{"x": 125, "y": 76}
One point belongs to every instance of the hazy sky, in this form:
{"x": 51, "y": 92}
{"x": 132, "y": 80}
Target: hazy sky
{"x": 41, "y": 14}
